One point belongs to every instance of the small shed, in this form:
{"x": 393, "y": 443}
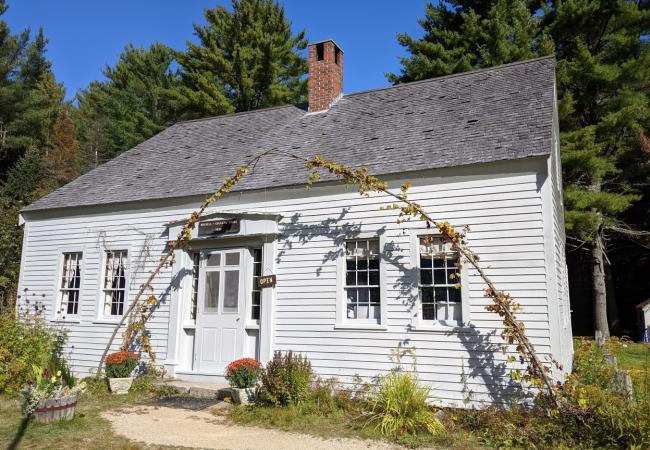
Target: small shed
{"x": 643, "y": 309}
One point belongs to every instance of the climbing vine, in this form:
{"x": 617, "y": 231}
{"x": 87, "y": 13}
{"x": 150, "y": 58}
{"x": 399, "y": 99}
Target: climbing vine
{"x": 536, "y": 373}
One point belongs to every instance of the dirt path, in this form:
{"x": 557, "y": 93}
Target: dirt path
{"x": 201, "y": 429}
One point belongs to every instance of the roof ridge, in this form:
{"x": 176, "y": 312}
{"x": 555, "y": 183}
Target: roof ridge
{"x": 237, "y": 113}
{"x": 452, "y": 75}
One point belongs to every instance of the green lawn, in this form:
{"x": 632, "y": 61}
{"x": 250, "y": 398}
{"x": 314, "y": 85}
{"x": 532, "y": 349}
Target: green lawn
{"x": 635, "y": 358}
{"x": 86, "y": 431}
{"x": 633, "y": 355}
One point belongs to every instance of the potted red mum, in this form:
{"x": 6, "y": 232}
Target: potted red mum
{"x": 119, "y": 368}
{"x": 242, "y": 375}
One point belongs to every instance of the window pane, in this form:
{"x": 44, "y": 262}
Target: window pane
{"x": 441, "y": 312}
{"x": 117, "y": 303}
{"x": 428, "y": 311}
{"x": 374, "y": 295}
{"x": 352, "y": 295}
{"x": 426, "y": 276}
{"x": 440, "y": 294}
{"x": 362, "y": 312}
{"x": 352, "y": 311}
{"x": 351, "y": 263}
{"x": 362, "y": 278}
{"x": 214, "y": 260}
{"x": 373, "y": 263}
{"x": 438, "y": 262}
{"x": 426, "y": 262}
{"x": 374, "y": 247}
{"x": 375, "y": 312}
{"x": 232, "y": 259}
{"x": 211, "y": 301}
{"x": 454, "y": 294}
{"x": 362, "y": 264}
{"x": 455, "y": 312}
{"x": 427, "y": 295}
{"x": 364, "y": 295}
{"x": 231, "y": 291}
{"x": 440, "y": 277}
{"x": 373, "y": 277}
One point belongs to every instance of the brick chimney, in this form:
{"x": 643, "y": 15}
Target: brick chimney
{"x": 325, "y": 82}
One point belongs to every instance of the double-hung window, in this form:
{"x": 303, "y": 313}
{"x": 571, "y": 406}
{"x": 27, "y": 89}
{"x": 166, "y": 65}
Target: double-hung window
{"x": 114, "y": 284}
{"x": 70, "y": 286}
{"x": 362, "y": 280}
{"x": 440, "y": 292}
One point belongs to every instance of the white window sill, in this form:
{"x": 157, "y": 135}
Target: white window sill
{"x": 361, "y": 326}
{"x": 107, "y": 321}
{"x": 440, "y": 327}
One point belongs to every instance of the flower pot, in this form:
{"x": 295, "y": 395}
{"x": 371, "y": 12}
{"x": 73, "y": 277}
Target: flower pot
{"x": 239, "y": 396}
{"x": 120, "y": 385}
{"x": 54, "y": 409}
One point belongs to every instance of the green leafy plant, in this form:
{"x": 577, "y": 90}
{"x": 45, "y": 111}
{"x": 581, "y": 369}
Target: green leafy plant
{"x": 26, "y": 340}
{"x": 243, "y": 373}
{"x": 121, "y": 364}
{"x": 398, "y": 406}
{"x": 285, "y": 380}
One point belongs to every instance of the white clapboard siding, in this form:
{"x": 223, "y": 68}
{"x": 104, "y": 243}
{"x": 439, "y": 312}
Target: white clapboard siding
{"x": 503, "y": 206}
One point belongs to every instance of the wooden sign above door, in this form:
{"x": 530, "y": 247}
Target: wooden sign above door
{"x": 266, "y": 281}
{"x": 217, "y": 227}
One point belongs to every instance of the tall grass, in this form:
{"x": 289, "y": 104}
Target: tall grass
{"x": 398, "y": 406}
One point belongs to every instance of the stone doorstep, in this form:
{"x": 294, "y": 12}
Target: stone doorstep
{"x": 196, "y": 388}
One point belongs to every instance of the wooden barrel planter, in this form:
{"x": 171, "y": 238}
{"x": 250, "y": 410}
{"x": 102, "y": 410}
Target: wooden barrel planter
{"x": 54, "y": 409}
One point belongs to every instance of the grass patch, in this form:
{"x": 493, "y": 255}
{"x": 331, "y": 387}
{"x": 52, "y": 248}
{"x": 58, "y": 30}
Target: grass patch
{"x": 308, "y": 419}
{"x": 86, "y": 431}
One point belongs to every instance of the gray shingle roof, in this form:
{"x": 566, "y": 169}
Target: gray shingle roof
{"x": 500, "y": 113}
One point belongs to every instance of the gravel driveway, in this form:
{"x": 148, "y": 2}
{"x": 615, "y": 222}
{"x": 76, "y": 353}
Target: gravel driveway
{"x": 161, "y": 425}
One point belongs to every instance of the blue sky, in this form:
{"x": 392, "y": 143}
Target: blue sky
{"x": 85, "y": 35}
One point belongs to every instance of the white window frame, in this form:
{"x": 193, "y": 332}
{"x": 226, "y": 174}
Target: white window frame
{"x": 101, "y": 302}
{"x": 342, "y": 321}
{"x": 418, "y": 323}
{"x": 58, "y": 313}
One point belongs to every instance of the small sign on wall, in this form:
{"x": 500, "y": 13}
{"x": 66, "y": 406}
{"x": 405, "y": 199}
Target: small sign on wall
{"x": 217, "y": 227}
{"x": 266, "y": 281}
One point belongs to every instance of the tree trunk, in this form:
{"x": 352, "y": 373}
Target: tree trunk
{"x": 599, "y": 289}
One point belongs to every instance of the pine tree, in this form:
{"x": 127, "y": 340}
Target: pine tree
{"x": 246, "y": 59}
{"x": 30, "y": 99}
{"x": 465, "y": 35}
{"x": 132, "y": 104}
{"x": 62, "y": 160}
{"x": 603, "y": 77}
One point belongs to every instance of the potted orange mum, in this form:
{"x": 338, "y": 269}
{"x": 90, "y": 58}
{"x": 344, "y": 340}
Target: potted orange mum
{"x": 119, "y": 368}
{"x": 242, "y": 375}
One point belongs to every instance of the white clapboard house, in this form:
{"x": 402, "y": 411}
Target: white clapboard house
{"x": 352, "y": 283}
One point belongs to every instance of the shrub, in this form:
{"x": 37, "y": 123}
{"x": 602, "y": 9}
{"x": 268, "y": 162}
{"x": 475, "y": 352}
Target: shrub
{"x": 243, "y": 373}
{"x": 285, "y": 380}
{"x": 27, "y": 341}
{"x": 121, "y": 364}
{"x": 399, "y": 407}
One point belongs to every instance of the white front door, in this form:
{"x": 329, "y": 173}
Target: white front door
{"x": 220, "y": 310}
